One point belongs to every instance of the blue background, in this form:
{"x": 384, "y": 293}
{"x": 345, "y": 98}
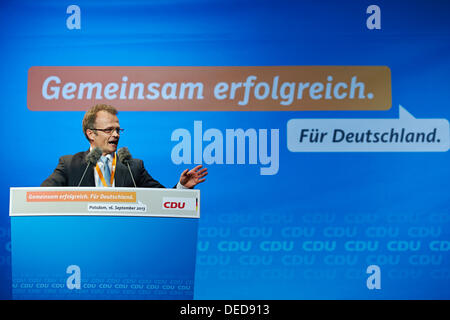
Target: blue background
{"x": 395, "y": 192}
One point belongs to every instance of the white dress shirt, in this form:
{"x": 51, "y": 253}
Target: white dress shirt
{"x": 98, "y": 181}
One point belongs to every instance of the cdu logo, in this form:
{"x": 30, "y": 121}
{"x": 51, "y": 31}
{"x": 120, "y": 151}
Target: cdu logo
{"x": 171, "y": 203}
{"x": 174, "y": 205}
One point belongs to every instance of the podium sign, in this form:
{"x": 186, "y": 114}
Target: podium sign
{"x": 103, "y": 243}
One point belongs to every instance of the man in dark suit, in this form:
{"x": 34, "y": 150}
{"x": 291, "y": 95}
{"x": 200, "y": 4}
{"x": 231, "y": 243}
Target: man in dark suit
{"x": 101, "y": 127}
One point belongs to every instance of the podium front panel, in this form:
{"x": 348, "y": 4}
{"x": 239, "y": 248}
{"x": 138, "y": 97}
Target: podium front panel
{"x": 117, "y": 256}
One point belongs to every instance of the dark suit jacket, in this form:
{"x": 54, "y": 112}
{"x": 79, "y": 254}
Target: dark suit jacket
{"x": 70, "y": 170}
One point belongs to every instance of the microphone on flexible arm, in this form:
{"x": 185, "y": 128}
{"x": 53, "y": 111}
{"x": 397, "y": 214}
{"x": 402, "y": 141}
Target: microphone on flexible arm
{"x": 91, "y": 158}
{"x": 125, "y": 157}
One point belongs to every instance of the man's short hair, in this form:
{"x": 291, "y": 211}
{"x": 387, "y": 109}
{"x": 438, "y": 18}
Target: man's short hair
{"x": 91, "y": 115}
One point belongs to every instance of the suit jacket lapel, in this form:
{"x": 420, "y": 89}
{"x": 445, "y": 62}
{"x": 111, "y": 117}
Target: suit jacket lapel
{"x": 88, "y": 180}
{"x": 121, "y": 174}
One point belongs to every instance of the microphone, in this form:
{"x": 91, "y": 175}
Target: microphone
{"x": 91, "y": 158}
{"x": 125, "y": 157}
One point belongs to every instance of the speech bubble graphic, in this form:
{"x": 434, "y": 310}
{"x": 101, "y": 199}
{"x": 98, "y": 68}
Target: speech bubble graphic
{"x": 405, "y": 134}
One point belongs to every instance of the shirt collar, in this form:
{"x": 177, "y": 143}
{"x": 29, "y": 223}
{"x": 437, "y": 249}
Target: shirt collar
{"x": 109, "y": 156}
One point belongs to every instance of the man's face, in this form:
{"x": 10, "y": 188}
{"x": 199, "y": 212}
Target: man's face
{"x": 106, "y": 141}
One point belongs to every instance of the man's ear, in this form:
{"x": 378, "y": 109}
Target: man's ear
{"x": 90, "y": 134}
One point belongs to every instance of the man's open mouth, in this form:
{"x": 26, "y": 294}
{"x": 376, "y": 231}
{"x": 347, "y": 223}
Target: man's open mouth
{"x": 113, "y": 142}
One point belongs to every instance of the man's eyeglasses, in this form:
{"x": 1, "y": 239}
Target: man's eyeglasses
{"x": 110, "y": 130}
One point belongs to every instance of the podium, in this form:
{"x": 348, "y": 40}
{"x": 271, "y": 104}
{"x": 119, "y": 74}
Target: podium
{"x": 103, "y": 243}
